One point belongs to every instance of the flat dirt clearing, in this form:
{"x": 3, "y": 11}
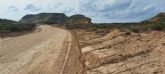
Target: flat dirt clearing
{"x": 34, "y": 53}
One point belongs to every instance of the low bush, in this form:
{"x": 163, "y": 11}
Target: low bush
{"x": 16, "y": 27}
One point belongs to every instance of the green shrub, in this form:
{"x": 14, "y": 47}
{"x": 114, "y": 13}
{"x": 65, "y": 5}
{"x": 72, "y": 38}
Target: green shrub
{"x": 17, "y": 27}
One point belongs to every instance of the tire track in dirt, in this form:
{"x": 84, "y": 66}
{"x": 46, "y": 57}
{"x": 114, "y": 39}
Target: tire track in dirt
{"x": 67, "y": 55}
{"x": 75, "y": 62}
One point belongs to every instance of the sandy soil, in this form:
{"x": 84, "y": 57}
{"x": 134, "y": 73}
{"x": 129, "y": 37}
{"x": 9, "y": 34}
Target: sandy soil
{"x": 51, "y": 50}
{"x": 35, "y": 53}
{"x": 123, "y": 52}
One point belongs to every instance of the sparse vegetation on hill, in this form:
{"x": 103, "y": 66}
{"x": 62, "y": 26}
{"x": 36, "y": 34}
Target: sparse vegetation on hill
{"x": 27, "y": 23}
{"x": 18, "y": 27}
{"x": 7, "y": 26}
{"x": 77, "y": 21}
{"x": 6, "y": 21}
{"x": 134, "y": 26}
{"x": 156, "y": 23}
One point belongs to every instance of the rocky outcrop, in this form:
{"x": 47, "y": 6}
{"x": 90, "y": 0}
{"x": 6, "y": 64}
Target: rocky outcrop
{"x": 79, "y": 19}
{"x": 55, "y": 18}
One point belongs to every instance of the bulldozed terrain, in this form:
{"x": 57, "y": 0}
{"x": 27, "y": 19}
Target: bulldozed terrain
{"x": 117, "y": 51}
{"x": 51, "y": 50}
{"x": 82, "y": 47}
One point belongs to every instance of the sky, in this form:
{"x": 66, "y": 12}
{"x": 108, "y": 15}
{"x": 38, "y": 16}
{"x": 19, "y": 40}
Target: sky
{"x": 100, "y": 11}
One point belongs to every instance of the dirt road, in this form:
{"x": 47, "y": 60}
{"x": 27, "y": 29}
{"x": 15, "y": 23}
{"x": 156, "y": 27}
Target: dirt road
{"x": 35, "y": 53}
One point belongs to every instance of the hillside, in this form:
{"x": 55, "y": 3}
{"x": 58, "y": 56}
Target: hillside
{"x": 79, "y": 19}
{"x": 13, "y": 28}
{"x": 155, "y": 23}
{"x": 57, "y": 18}
{"x": 159, "y": 17}
{"x": 6, "y": 21}
{"x": 28, "y": 22}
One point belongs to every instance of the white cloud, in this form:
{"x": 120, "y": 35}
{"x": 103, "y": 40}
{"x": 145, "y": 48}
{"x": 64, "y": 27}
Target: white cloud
{"x": 127, "y": 10}
{"x": 32, "y": 8}
{"x": 12, "y": 9}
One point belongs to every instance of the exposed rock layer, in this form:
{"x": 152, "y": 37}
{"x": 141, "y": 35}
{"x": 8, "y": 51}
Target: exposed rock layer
{"x": 55, "y": 18}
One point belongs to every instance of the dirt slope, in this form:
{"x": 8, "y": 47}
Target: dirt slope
{"x": 35, "y": 53}
{"x": 123, "y": 52}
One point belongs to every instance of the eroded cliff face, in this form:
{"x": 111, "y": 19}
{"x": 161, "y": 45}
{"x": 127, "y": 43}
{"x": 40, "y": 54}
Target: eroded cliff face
{"x": 123, "y": 52}
{"x": 56, "y": 18}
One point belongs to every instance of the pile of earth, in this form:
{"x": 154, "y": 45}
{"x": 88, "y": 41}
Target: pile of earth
{"x": 123, "y": 52}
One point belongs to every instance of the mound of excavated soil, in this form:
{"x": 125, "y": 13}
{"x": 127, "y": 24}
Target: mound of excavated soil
{"x": 118, "y": 52}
